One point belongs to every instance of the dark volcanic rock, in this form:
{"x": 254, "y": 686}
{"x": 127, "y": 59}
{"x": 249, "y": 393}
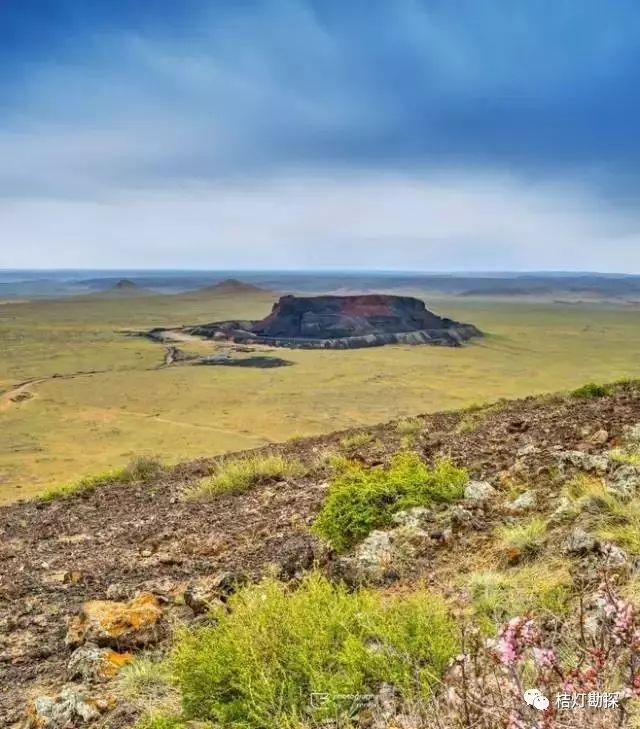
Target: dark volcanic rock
{"x": 344, "y": 322}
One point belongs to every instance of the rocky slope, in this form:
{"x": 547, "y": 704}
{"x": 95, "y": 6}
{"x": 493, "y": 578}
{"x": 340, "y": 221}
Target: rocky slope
{"x": 88, "y": 580}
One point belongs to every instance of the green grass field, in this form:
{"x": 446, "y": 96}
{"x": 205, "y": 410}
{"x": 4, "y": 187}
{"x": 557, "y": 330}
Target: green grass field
{"x": 94, "y": 422}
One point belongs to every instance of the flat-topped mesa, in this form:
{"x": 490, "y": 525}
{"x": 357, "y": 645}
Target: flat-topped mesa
{"x": 337, "y": 322}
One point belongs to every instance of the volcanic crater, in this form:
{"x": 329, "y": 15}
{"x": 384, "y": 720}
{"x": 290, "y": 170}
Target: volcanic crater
{"x": 343, "y": 322}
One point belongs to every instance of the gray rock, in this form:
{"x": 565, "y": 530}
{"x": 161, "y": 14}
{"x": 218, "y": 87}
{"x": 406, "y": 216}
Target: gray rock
{"x": 564, "y": 508}
{"x": 527, "y": 450}
{"x": 461, "y": 518}
{"x": 600, "y": 437}
{"x": 377, "y": 549}
{"x": 614, "y": 556}
{"x": 72, "y": 706}
{"x": 202, "y": 594}
{"x": 418, "y": 517}
{"x": 631, "y": 435}
{"x": 625, "y": 481}
{"x": 91, "y": 663}
{"x": 118, "y": 591}
{"x": 479, "y": 491}
{"x": 585, "y": 461}
{"x": 579, "y": 542}
{"x": 525, "y": 501}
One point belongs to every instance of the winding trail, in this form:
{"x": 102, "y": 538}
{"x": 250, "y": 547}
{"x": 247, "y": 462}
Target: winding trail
{"x": 7, "y": 398}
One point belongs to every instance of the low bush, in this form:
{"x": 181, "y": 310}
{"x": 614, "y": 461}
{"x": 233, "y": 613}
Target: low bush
{"x": 408, "y": 426}
{"x": 361, "y": 499}
{"x": 84, "y": 485}
{"x": 356, "y": 440}
{"x": 272, "y": 649}
{"x": 591, "y": 390}
{"x": 139, "y": 469}
{"x": 241, "y": 474}
{"x": 143, "y": 468}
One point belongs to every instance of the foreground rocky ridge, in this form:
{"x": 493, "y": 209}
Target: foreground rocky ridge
{"x": 88, "y": 580}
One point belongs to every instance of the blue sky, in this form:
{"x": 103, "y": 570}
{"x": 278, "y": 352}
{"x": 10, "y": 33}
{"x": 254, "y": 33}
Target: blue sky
{"x": 457, "y": 135}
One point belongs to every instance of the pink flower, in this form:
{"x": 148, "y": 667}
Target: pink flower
{"x": 544, "y": 657}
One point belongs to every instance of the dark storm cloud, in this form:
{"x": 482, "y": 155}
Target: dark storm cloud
{"x": 280, "y": 133}
{"x": 199, "y": 90}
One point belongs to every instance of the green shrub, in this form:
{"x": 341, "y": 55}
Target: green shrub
{"x": 158, "y": 721}
{"x": 143, "y": 468}
{"x": 590, "y": 390}
{"x": 362, "y": 499}
{"x": 356, "y": 440}
{"x": 84, "y": 485}
{"x": 408, "y": 426}
{"x": 273, "y": 648}
{"x": 241, "y": 474}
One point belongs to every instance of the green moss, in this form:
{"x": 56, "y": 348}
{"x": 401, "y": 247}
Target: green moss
{"x": 272, "y": 648}
{"x": 361, "y": 499}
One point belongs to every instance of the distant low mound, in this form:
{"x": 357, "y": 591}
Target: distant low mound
{"x": 127, "y": 287}
{"x": 233, "y": 286}
{"x": 340, "y": 322}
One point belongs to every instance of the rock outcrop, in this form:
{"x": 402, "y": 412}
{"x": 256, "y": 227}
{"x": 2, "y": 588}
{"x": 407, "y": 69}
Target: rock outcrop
{"x": 340, "y": 322}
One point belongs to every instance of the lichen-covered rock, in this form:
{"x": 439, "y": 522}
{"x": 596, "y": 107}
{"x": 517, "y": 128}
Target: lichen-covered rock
{"x": 72, "y": 707}
{"x": 527, "y": 450}
{"x": 118, "y": 625}
{"x": 419, "y": 517}
{"x": 631, "y": 435}
{"x": 579, "y": 542}
{"x": 524, "y": 502}
{"x": 460, "y": 518}
{"x": 202, "y": 594}
{"x": 91, "y": 663}
{"x": 625, "y": 481}
{"x": 600, "y": 437}
{"x": 584, "y": 461}
{"x": 479, "y": 491}
{"x": 615, "y": 557}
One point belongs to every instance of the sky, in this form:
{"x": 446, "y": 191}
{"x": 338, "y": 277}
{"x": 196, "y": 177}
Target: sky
{"x": 427, "y": 135}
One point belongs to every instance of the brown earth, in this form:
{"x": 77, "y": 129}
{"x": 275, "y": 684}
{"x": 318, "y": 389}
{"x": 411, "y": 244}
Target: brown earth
{"x": 146, "y": 537}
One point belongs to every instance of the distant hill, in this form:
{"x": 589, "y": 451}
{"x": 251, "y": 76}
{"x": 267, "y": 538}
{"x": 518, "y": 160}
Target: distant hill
{"x": 233, "y": 286}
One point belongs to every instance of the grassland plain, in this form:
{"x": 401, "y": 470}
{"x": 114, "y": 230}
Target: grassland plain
{"x": 111, "y": 402}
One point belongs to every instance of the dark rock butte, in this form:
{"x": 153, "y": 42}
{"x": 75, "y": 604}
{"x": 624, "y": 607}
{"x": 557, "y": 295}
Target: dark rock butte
{"x": 341, "y": 322}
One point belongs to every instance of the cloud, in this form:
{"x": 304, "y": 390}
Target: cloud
{"x": 443, "y": 222}
{"x": 127, "y": 112}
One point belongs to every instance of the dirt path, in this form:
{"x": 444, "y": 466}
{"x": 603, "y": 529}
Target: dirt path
{"x": 184, "y": 424}
{"x": 8, "y": 397}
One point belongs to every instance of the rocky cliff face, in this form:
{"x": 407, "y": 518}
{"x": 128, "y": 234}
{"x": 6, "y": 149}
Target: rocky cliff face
{"x": 338, "y": 322}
